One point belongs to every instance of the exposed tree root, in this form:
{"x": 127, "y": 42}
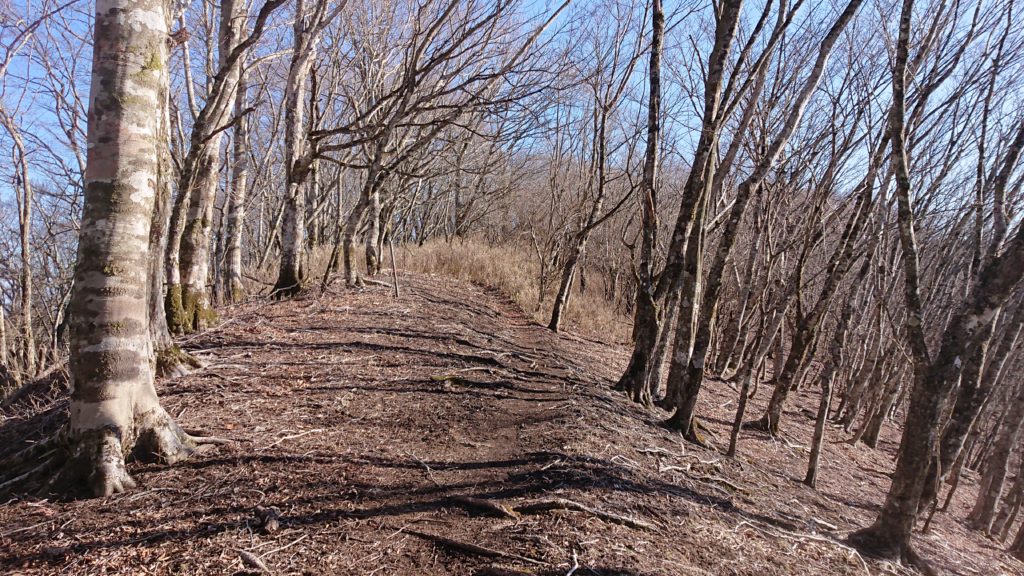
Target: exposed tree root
{"x": 693, "y": 432}
{"x": 563, "y": 504}
{"x": 486, "y": 506}
{"x": 381, "y": 283}
{"x": 472, "y": 548}
{"x": 173, "y": 362}
{"x": 762, "y": 424}
{"x": 92, "y": 463}
{"x": 284, "y": 292}
{"x": 869, "y": 542}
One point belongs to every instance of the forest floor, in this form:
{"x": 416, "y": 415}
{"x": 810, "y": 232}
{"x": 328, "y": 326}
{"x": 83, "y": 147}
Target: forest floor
{"x": 400, "y": 436}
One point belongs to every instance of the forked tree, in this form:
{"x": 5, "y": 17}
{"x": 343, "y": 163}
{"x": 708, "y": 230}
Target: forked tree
{"x": 963, "y": 343}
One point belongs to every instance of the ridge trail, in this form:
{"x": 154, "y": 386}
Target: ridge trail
{"x": 381, "y": 436}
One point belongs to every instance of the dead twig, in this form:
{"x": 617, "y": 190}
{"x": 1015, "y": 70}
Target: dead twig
{"x": 286, "y": 546}
{"x": 575, "y": 565}
{"x": 426, "y": 467}
{"x": 500, "y": 571}
{"x": 717, "y": 480}
{"x": 292, "y": 437}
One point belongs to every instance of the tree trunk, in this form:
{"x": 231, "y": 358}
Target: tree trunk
{"x": 691, "y": 374}
{"x": 996, "y": 464}
{"x": 634, "y": 380}
{"x": 832, "y": 366}
{"x": 195, "y": 244}
{"x": 1011, "y": 505}
{"x": 580, "y": 239}
{"x": 200, "y": 180}
{"x": 23, "y": 197}
{"x": 114, "y": 408}
{"x": 694, "y": 194}
{"x": 349, "y": 236}
{"x": 3, "y": 336}
{"x": 237, "y": 197}
{"x": 873, "y": 426}
{"x": 669, "y": 324}
{"x": 298, "y": 156}
{"x": 171, "y": 361}
{"x": 683, "y": 346}
{"x": 746, "y": 373}
{"x": 372, "y": 235}
{"x": 1017, "y": 548}
{"x": 565, "y": 286}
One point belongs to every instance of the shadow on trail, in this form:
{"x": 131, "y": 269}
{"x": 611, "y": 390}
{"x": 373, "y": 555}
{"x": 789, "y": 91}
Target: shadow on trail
{"x": 323, "y": 502}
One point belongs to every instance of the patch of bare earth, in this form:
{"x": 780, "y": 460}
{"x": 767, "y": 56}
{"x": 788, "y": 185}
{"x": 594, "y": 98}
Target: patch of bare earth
{"x": 446, "y": 433}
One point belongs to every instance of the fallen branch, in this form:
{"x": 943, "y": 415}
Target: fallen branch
{"x": 780, "y": 533}
{"x": 486, "y": 506}
{"x": 563, "y": 504}
{"x": 373, "y": 282}
{"x": 472, "y": 548}
{"x": 717, "y": 480}
{"x": 292, "y": 437}
{"x": 499, "y": 571}
{"x": 49, "y": 461}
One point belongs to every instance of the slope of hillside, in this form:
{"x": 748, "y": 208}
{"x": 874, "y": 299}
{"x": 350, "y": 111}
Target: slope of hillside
{"x": 446, "y": 433}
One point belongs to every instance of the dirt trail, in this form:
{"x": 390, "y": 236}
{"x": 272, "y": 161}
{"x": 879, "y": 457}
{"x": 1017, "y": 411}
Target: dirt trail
{"x": 363, "y": 422}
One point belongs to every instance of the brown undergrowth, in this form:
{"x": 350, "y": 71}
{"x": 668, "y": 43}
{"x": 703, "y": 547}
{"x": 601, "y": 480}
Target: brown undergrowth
{"x": 510, "y": 269}
{"x": 513, "y": 272}
{"x": 445, "y": 432}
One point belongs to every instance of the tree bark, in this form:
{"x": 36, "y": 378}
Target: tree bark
{"x": 372, "y": 234}
{"x": 237, "y": 197}
{"x": 1011, "y": 506}
{"x": 996, "y": 464}
{"x": 634, "y": 380}
{"x": 646, "y": 325}
{"x": 298, "y": 151}
{"x": 114, "y": 407}
{"x": 23, "y": 197}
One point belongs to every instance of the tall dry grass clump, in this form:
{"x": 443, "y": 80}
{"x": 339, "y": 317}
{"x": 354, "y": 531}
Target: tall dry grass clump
{"x": 514, "y": 271}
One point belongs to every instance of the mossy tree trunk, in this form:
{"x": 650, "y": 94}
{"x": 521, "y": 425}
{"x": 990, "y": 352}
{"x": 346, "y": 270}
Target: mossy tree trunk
{"x": 200, "y": 178}
{"x": 171, "y": 361}
{"x": 114, "y": 407}
{"x": 308, "y": 24}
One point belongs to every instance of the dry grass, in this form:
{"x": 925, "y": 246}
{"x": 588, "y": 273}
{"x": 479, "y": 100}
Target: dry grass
{"x": 513, "y": 271}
